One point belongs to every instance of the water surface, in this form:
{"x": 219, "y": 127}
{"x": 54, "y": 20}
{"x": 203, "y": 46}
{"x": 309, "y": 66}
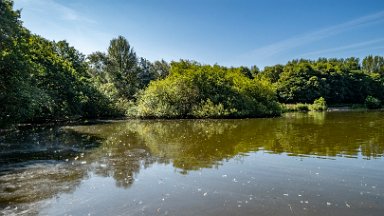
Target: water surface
{"x": 300, "y": 164}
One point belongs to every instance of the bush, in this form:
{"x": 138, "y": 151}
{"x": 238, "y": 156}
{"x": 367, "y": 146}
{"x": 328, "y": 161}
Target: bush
{"x": 192, "y": 90}
{"x": 318, "y": 105}
{"x": 372, "y": 103}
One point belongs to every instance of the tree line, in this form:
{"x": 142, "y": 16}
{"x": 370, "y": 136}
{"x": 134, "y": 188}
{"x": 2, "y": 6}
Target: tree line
{"x": 47, "y": 80}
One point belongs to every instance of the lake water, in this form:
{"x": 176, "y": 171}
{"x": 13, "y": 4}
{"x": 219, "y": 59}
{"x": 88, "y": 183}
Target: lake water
{"x": 300, "y": 164}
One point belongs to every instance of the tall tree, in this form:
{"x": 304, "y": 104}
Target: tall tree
{"x": 15, "y": 89}
{"x": 122, "y": 67}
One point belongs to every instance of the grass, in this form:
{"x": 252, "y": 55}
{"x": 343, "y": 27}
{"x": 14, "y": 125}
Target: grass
{"x": 318, "y": 105}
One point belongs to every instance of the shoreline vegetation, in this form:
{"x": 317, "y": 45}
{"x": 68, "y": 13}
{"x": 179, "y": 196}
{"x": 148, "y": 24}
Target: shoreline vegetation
{"x": 44, "y": 80}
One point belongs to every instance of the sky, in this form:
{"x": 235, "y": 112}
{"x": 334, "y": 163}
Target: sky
{"x": 224, "y": 32}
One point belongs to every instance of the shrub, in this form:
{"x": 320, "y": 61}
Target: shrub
{"x": 319, "y": 105}
{"x": 193, "y": 90}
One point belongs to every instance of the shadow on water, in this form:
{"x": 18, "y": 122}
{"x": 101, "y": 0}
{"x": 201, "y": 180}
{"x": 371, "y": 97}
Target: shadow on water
{"x": 40, "y": 163}
{"x": 37, "y": 163}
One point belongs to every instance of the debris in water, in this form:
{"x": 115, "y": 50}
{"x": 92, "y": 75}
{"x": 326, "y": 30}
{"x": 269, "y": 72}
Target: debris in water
{"x": 290, "y": 207}
{"x": 224, "y": 176}
{"x": 205, "y": 194}
{"x": 234, "y": 180}
{"x": 285, "y": 194}
{"x": 346, "y": 204}
{"x": 328, "y": 203}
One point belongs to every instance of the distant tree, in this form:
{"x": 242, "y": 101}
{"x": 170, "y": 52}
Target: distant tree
{"x": 97, "y": 63}
{"x": 300, "y": 82}
{"x": 122, "y": 67}
{"x": 162, "y": 68}
{"x": 146, "y": 73}
{"x": 373, "y": 64}
{"x": 246, "y": 71}
{"x": 255, "y": 71}
{"x": 352, "y": 63}
{"x": 272, "y": 73}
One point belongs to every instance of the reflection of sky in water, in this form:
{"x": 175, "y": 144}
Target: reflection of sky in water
{"x": 259, "y": 184}
{"x": 206, "y": 167}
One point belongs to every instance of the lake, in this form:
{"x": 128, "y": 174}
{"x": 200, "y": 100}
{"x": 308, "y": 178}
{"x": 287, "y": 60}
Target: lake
{"x": 299, "y": 164}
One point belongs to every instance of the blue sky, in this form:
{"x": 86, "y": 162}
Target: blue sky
{"x": 227, "y": 32}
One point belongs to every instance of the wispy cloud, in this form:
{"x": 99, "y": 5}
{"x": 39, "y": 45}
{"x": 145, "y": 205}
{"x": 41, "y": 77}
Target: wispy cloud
{"x": 53, "y": 7}
{"x": 300, "y": 40}
{"x": 366, "y": 45}
{"x": 56, "y": 21}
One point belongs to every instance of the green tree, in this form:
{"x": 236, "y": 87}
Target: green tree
{"x": 272, "y": 73}
{"x": 300, "y": 82}
{"x": 195, "y": 90}
{"x": 161, "y": 68}
{"x": 255, "y": 71}
{"x": 352, "y": 63}
{"x": 97, "y": 63}
{"x": 73, "y": 56}
{"x": 16, "y": 90}
{"x": 146, "y": 73}
{"x": 122, "y": 67}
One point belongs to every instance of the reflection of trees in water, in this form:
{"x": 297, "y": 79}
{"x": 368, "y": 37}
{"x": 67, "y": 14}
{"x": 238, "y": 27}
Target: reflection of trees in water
{"x": 121, "y": 149}
{"x": 122, "y": 154}
{"x": 195, "y": 144}
{"x": 189, "y": 144}
{"x": 347, "y": 134}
